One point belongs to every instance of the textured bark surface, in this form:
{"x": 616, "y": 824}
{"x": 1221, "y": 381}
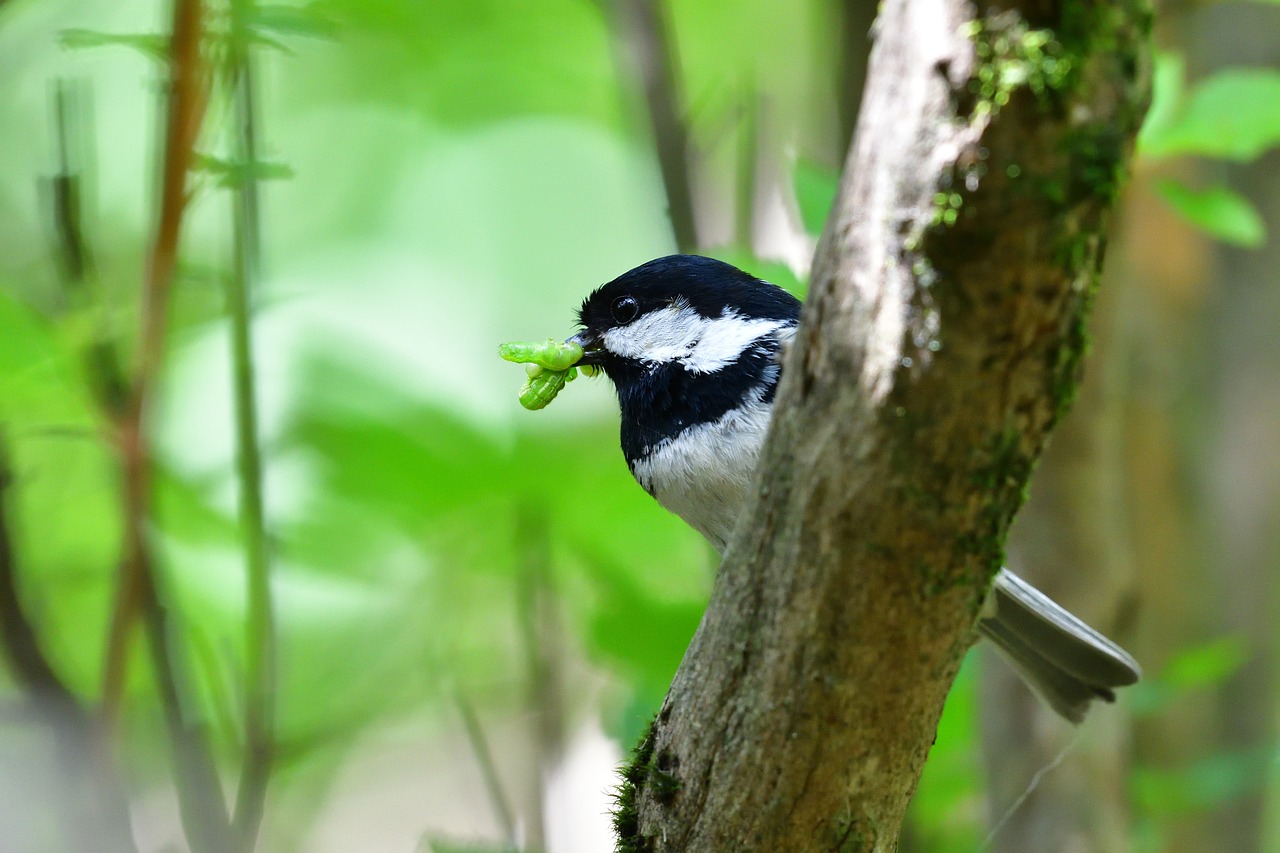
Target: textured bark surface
{"x": 940, "y": 344}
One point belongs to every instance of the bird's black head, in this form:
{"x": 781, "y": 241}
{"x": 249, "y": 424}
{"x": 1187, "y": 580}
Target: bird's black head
{"x": 684, "y": 339}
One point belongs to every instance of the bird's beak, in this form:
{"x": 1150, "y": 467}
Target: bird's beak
{"x": 592, "y": 349}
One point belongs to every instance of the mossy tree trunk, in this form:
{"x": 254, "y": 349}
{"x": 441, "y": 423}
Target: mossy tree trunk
{"x": 941, "y": 343}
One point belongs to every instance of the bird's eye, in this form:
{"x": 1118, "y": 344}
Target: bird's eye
{"x": 625, "y": 309}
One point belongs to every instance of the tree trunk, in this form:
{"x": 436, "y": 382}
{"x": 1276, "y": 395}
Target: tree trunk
{"x": 941, "y": 343}
{"x": 1178, "y": 588}
{"x": 1240, "y": 466}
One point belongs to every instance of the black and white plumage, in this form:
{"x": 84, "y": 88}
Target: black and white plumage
{"x": 693, "y": 347}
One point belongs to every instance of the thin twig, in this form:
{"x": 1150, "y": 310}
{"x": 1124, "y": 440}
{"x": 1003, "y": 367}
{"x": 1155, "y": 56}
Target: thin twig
{"x": 73, "y": 251}
{"x": 203, "y": 810}
{"x": 488, "y": 770}
{"x": 642, "y": 28}
{"x": 102, "y": 363}
{"x": 748, "y": 169}
{"x": 186, "y": 106}
{"x": 539, "y": 625}
{"x": 260, "y": 642}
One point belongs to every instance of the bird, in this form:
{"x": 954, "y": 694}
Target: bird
{"x": 693, "y": 347}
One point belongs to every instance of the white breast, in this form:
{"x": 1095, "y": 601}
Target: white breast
{"x": 705, "y": 474}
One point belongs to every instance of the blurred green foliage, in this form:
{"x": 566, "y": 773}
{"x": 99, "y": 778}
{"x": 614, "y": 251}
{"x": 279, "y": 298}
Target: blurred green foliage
{"x": 1197, "y": 668}
{"x": 445, "y": 176}
{"x": 1231, "y": 115}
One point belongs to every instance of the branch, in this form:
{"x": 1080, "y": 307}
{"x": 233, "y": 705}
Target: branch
{"x": 203, "y": 811}
{"x": 260, "y": 639}
{"x": 642, "y": 29}
{"x": 940, "y": 345}
{"x": 488, "y": 770}
{"x": 539, "y": 634}
{"x": 185, "y": 111}
{"x": 747, "y": 191}
{"x": 101, "y": 359}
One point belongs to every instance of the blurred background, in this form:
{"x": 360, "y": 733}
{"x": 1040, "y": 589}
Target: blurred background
{"x": 475, "y": 609}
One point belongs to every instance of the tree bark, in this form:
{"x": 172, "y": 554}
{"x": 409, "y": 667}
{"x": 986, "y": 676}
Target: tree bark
{"x": 941, "y": 343}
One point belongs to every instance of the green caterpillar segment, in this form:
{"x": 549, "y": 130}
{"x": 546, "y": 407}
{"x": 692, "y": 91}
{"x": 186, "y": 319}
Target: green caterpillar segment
{"x": 550, "y": 354}
{"x": 549, "y": 364}
{"x": 541, "y": 388}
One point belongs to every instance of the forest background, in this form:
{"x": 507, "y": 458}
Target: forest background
{"x": 473, "y": 609}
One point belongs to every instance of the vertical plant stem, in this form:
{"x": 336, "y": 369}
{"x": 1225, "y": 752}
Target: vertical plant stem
{"x": 73, "y": 252}
{"x": 101, "y": 357}
{"x": 539, "y": 625}
{"x": 203, "y": 811}
{"x": 260, "y": 639}
{"x": 205, "y": 822}
{"x": 488, "y": 770}
{"x": 650, "y": 57}
{"x": 185, "y": 111}
{"x": 748, "y": 169}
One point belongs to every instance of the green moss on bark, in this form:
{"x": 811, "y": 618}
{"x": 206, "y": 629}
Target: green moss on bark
{"x": 626, "y": 817}
{"x": 648, "y": 769}
{"x": 1011, "y": 56}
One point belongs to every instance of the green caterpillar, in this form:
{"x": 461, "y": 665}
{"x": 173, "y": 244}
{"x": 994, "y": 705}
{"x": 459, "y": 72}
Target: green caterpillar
{"x": 549, "y": 364}
{"x": 541, "y": 388}
{"x": 551, "y": 354}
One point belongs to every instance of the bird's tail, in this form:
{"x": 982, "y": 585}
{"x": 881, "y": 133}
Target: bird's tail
{"x": 1064, "y": 661}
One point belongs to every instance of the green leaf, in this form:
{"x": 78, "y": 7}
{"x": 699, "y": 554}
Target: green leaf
{"x": 41, "y": 381}
{"x": 815, "y": 188}
{"x": 231, "y": 173}
{"x": 1218, "y": 210}
{"x": 1198, "y": 667}
{"x": 1207, "y": 664}
{"x": 1210, "y": 782}
{"x": 64, "y": 513}
{"x": 150, "y": 45}
{"x": 1234, "y": 115}
{"x": 638, "y": 632}
{"x": 260, "y": 38}
{"x": 307, "y": 21}
{"x": 1167, "y": 85}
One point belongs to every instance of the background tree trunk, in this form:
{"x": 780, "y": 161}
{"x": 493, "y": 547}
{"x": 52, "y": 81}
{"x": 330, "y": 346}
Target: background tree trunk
{"x": 1241, "y": 485}
{"x": 1071, "y": 541}
{"x": 941, "y": 343}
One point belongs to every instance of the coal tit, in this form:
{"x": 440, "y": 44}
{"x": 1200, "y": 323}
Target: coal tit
{"x": 693, "y": 347}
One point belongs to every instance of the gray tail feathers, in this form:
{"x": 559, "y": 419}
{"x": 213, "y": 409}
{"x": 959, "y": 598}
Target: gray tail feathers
{"x": 1064, "y": 661}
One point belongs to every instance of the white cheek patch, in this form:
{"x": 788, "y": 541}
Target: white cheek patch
{"x": 664, "y": 335}
{"x": 725, "y": 339}
{"x": 679, "y": 333}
